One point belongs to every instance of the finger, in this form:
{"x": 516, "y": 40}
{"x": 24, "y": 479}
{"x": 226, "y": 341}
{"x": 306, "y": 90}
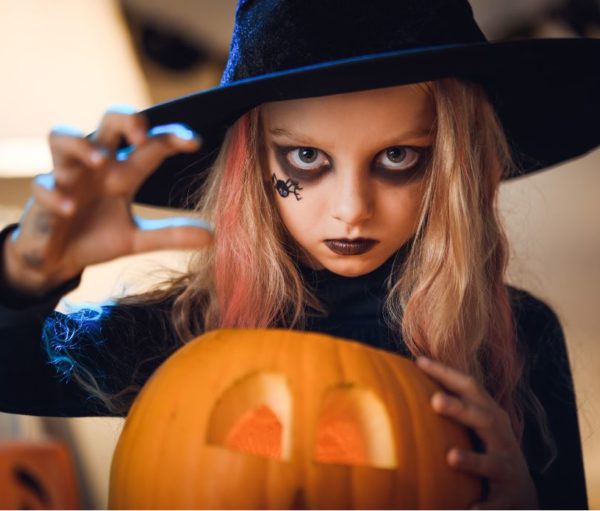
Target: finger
{"x": 139, "y": 162}
{"x": 71, "y": 155}
{"x": 456, "y": 381}
{"x": 488, "y": 465}
{"x": 469, "y": 413}
{"x": 45, "y": 192}
{"x": 171, "y": 234}
{"x": 120, "y": 121}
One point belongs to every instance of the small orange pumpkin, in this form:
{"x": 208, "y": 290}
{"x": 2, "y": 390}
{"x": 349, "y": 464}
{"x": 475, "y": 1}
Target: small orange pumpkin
{"x": 272, "y": 418}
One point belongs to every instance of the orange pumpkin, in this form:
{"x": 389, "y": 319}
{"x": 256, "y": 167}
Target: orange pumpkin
{"x": 271, "y": 418}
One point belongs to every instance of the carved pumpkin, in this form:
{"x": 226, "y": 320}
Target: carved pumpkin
{"x": 270, "y": 418}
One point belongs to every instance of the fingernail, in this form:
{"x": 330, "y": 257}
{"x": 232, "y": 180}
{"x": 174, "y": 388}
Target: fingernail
{"x": 439, "y": 399}
{"x": 67, "y": 129}
{"x": 46, "y": 180}
{"x": 456, "y": 455}
{"x": 123, "y": 154}
{"x": 179, "y": 130}
{"x": 15, "y": 234}
{"x": 185, "y": 134}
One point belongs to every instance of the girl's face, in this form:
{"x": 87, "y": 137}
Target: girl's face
{"x": 350, "y": 166}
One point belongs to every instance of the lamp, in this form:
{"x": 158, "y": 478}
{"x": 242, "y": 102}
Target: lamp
{"x": 63, "y": 61}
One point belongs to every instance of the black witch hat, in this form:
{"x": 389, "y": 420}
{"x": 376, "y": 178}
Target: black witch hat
{"x": 546, "y": 91}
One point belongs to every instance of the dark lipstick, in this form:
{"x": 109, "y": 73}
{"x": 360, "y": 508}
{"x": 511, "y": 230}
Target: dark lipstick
{"x": 355, "y": 246}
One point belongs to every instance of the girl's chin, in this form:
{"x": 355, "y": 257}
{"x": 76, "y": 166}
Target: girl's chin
{"x": 352, "y": 266}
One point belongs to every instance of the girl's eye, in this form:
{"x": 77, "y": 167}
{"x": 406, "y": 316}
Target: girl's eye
{"x": 401, "y": 158}
{"x": 304, "y": 158}
{"x": 393, "y": 158}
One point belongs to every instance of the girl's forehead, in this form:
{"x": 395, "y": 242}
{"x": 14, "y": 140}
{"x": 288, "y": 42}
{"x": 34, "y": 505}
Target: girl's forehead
{"x": 392, "y": 96}
{"x": 409, "y": 105}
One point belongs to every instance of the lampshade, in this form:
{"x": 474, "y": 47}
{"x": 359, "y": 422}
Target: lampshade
{"x": 62, "y": 62}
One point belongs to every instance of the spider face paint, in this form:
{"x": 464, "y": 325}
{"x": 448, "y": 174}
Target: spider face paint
{"x": 285, "y": 187}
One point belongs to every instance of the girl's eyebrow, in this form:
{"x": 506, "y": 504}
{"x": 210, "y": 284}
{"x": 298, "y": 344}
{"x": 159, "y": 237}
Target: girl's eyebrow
{"x": 300, "y": 138}
{"x": 422, "y": 131}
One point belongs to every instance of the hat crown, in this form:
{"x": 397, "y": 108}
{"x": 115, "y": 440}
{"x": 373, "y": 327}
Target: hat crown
{"x": 271, "y": 36}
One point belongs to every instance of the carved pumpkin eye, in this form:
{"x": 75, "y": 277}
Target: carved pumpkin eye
{"x": 254, "y": 415}
{"x": 354, "y": 428}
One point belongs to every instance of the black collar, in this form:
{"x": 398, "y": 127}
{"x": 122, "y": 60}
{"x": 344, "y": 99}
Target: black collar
{"x": 354, "y": 304}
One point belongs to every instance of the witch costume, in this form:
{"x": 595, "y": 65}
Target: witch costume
{"x": 546, "y": 95}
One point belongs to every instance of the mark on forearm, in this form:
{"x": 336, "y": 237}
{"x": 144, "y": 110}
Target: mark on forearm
{"x": 32, "y": 259}
{"x": 41, "y": 224}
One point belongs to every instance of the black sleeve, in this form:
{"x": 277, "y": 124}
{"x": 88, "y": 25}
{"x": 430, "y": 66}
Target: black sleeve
{"x": 40, "y": 347}
{"x": 561, "y": 484}
{"x": 28, "y": 384}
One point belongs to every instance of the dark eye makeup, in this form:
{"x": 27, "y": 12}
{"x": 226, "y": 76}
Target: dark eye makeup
{"x": 311, "y": 156}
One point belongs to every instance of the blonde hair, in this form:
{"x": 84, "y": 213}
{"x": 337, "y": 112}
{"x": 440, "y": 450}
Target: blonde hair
{"x": 447, "y": 300}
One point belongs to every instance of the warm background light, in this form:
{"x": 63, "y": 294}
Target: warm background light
{"x": 62, "y": 61}
{"x": 66, "y": 61}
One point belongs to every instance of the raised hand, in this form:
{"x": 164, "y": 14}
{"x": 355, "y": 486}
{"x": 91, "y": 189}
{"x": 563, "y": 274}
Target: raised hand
{"x": 80, "y": 213}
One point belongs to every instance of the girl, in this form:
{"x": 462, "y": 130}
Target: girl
{"x": 348, "y": 167}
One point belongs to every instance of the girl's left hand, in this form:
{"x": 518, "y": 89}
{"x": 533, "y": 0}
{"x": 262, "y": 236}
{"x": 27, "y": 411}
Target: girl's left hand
{"x": 502, "y": 463}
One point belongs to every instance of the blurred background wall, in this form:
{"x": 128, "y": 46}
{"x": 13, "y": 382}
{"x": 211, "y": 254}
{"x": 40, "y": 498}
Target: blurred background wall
{"x": 66, "y": 61}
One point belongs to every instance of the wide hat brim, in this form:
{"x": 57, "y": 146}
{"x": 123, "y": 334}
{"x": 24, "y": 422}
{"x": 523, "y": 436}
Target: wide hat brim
{"x": 546, "y": 93}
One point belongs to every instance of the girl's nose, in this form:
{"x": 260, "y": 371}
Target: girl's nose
{"x": 352, "y": 200}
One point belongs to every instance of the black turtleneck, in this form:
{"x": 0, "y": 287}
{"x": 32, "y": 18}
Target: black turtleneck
{"x": 354, "y": 305}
